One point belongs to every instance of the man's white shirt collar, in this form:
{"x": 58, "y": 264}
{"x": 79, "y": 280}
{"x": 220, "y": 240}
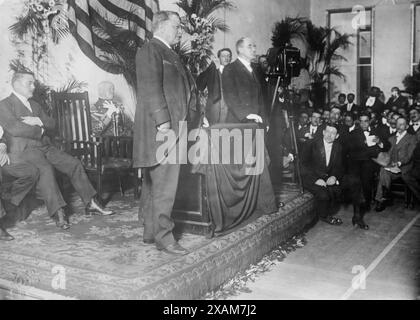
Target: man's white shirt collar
{"x": 246, "y": 64}
{"x": 164, "y": 42}
{"x": 400, "y": 136}
{"x": 351, "y": 129}
{"x": 221, "y": 68}
{"x": 23, "y": 100}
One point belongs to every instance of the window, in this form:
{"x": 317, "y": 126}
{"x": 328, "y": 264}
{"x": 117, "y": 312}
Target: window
{"x": 416, "y": 35}
{"x": 357, "y": 66}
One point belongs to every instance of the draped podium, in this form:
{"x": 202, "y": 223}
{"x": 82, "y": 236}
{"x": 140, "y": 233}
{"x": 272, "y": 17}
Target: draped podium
{"x": 228, "y": 186}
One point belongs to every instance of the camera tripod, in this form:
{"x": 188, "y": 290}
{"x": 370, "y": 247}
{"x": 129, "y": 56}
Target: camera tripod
{"x": 280, "y": 83}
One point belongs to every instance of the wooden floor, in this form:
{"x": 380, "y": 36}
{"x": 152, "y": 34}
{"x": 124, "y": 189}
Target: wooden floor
{"x": 389, "y": 253}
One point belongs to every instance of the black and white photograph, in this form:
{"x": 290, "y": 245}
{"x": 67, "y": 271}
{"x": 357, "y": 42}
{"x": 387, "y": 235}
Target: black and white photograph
{"x": 220, "y": 153}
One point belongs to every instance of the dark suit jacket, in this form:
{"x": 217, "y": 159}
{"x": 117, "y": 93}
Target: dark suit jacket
{"x": 377, "y": 107}
{"x": 355, "y": 108}
{"x": 20, "y": 136}
{"x": 415, "y": 171}
{"x": 314, "y": 165}
{"x": 242, "y": 92}
{"x": 166, "y": 92}
{"x": 211, "y": 79}
{"x": 403, "y": 151}
{"x": 401, "y": 102}
{"x": 357, "y": 149}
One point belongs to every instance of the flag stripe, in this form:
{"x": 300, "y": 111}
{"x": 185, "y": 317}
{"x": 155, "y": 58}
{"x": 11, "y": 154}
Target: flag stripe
{"x": 85, "y": 15}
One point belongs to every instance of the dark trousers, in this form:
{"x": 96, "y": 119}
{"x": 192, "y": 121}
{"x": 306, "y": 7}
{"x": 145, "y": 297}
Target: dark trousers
{"x": 18, "y": 180}
{"x": 158, "y": 193}
{"x": 364, "y": 170}
{"x": 327, "y": 199}
{"x": 412, "y": 179}
{"x": 48, "y": 158}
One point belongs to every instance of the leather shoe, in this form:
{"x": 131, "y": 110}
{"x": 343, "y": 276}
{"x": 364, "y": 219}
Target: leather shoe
{"x": 96, "y": 209}
{"x": 380, "y": 206}
{"x": 5, "y": 236}
{"x": 148, "y": 241}
{"x": 60, "y": 220}
{"x": 175, "y": 249}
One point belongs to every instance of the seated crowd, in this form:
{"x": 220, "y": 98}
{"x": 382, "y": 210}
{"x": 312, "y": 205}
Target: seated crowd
{"x": 351, "y": 150}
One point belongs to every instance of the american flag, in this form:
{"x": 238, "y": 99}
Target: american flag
{"x": 83, "y": 15}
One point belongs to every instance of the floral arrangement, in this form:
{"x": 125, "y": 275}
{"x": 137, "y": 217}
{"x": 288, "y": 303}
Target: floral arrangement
{"x": 200, "y": 24}
{"x": 39, "y": 17}
{"x": 198, "y": 49}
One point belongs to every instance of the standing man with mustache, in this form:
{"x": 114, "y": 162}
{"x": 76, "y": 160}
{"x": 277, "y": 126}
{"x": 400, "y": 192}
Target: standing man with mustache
{"x": 166, "y": 95}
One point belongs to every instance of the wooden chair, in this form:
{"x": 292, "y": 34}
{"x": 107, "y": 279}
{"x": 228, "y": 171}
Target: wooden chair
{"x": 100, "y": 156}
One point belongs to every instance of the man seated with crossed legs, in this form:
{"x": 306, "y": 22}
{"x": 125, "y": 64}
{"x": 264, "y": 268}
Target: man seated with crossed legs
{"x": 25, "y": 126}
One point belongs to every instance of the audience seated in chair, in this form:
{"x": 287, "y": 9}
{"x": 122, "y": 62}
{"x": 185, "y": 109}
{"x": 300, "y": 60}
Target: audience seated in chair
{"x": 401, "y": 152}
{"x": 26, "y": 126}
{"x": 323, "y": 175}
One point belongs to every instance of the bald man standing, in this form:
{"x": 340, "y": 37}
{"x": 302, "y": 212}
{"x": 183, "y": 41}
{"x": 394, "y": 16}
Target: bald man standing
{"x": 241, "y": 87}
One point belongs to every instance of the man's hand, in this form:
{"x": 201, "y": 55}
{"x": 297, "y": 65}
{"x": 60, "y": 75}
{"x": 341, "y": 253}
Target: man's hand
{"x": 111, "y": 108}
{"x": 32, "y": 121}
{"x": 4, "y": 157}
{"x": 332, "y": 181}
{"x": 164, "y": 128}
{"x": 321, "y": 183}
{"x": 255, "y": 118}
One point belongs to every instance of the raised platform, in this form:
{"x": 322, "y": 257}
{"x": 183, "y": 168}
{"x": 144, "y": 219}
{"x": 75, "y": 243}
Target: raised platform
{"x": 105, "y": 258}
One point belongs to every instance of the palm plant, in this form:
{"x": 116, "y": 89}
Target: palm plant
{"x": 287, "y": 30}
{"x": 323, "y": 45}
{"x": 204, "y": 9}
{"x": 119, "y": 46}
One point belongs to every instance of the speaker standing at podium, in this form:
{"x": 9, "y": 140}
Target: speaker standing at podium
{"x": 165, "y": 93}
{"x": 241, "y": 87}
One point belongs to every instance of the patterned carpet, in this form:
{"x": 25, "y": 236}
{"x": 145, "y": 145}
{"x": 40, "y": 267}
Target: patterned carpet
{"x": 105, "y": 258}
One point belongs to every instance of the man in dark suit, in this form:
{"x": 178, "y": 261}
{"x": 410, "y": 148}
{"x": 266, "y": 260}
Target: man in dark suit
{"x": 25, "y": 127}
{"x": 364, "y": 144}
{"x": 323, "y": 175}
{"x": 412, "y": 179}
{"x": 166, "y": 99}
{"x": 414, "y": 128}
{"x": 16, "y": 181}
{"x": 241, "y": 86}
{"x": 211, "y": 78}
{"x": 397, "y": 101}
{"x": 350, "y": 107}
{"x": 401, "y": 152}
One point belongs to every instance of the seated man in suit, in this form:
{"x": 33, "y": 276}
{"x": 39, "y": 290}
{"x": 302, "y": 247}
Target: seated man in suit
{"x": 397, "y": 101}
{"x": 414, "y": 128}
{"x": 323, "y": 176}
{"x": 412, "y": 179}
{"x": 211, "y": 78}
{"x": 25, "y": 125}
{"x": 16, "y": 181}
{"x": 401, "y": 152}
{"x": 241, "y": 86}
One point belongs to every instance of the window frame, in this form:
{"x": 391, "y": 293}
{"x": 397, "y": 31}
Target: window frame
{"x": 371, "y": 28}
